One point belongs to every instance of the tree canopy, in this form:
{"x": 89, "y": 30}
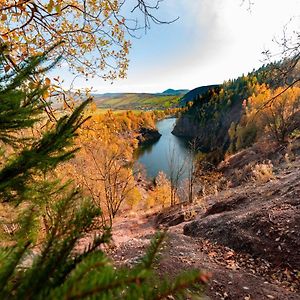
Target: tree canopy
{"x": 93, "y": 35}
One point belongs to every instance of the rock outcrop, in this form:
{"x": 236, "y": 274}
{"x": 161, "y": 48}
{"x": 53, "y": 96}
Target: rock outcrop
{"x": 260, "y": 219}
{"x": 148, "y": 135}
{"x": 211, "y": 134}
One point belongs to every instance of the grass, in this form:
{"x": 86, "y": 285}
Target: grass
{"x": 103, "y": 111}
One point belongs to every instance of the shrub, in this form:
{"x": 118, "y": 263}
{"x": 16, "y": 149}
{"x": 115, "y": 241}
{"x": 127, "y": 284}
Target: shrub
{"x": 243, "y": 174}
{"x": 246, "y": 135}
{"x": 263, "y": 172}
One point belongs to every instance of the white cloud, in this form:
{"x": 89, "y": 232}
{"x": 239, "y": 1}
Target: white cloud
{"x": 234, "y": 37}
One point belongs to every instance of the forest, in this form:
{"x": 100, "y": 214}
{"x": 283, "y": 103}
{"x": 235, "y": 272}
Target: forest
{"x": 80, "y": 218}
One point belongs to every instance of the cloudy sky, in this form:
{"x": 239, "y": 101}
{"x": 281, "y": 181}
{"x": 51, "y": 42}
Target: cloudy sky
{"x": 213, "y": 40}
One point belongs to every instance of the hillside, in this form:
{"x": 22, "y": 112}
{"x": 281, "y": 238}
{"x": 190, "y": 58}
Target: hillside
{"x": 213, "y": 112}
{"x": 216, "y": 110}
{"x": 246, "y": 236}
{"x": 144, "y": 101}
{"x": 193, "y": 94}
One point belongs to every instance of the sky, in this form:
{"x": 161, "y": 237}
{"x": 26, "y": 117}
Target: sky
{"x": 212, "y": 41}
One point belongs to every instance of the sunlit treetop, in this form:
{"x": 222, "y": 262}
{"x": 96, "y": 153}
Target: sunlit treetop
{"x": 93, "y": 34}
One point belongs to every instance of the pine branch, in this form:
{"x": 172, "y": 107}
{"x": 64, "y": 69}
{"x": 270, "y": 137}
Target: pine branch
{"x": 11, "y": 260}
{"x": 44, "y": 154}
{"x": 151, "y": 254}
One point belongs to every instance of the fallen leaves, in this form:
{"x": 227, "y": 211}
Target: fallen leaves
{"x": 235, "y": 261}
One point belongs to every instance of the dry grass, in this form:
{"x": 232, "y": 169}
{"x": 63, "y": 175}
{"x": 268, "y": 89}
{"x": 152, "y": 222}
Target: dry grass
{"x": 263, "y": 172}
{"x": 241, "y": 175}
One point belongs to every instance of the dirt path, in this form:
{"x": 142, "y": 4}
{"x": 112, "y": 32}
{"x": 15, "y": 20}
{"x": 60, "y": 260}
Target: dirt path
{"x": 234, "y": 275}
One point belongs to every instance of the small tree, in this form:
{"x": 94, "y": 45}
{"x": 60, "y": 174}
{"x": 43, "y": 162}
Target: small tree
{"x": 192, "y": 169}
{"x": 103, "y": 172}
{"x": 177, "y": 168}
{"x": 161, "y": 192}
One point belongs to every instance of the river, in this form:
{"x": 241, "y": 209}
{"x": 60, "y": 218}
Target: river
{"x": 167, "y": 154}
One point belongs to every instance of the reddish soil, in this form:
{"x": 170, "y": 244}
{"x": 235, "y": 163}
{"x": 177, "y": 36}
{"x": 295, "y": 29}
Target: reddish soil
{"x": 234, "y": 275}
{"x": 248, "y": 239}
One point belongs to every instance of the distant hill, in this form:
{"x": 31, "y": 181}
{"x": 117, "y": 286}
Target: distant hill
{"x": 193, "y": 94}
{"x": 174, "y": 92}
{"x": 143, "y": 101}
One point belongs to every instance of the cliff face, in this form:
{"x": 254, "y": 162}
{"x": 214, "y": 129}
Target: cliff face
{"x": 186, "y": 127}
{"x": 210, "y": 134}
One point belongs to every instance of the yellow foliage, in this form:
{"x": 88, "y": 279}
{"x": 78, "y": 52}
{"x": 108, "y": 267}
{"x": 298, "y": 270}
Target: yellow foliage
{"x": 275, "y": 113}
{"x": 268, "y": 113}
{"x": 31, "y": 27}
{"x": 134, "y": 197}
{"x": 263, "y": 172}
{"x": 160, "y": 196}
{"x": 103, "y": 165}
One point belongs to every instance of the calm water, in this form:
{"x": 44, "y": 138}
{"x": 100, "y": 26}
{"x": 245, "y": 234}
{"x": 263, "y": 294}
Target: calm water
{"x": 168, "y": 151}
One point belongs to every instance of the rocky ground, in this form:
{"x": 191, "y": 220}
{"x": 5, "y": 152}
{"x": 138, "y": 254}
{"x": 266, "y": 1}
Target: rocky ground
{"x": 248, "y": 239}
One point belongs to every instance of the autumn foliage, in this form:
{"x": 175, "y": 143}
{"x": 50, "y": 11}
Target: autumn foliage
{"x": 268, "y": 113}
{"x": 91, "y": 33}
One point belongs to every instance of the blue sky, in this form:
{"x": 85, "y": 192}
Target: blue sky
{"x": 213, "y": 40}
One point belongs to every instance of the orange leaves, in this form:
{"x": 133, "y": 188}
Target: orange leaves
{"x": 50, "y": 6}
{"x": 7, "y": 68}
{"x": 205, "y": 277}
{"x": 46, "y": 94}
{"x": 47, "y": 81}
{"x": 34, "y": 26}
{"x": 93, "y": 106}
{"x": 4, "y": 37}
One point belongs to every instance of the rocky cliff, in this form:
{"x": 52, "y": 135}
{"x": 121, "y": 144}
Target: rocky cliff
{"x": 210, "y": 132}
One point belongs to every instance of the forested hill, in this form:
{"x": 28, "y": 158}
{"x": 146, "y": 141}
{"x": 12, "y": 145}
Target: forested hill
{"x": 216, "y": 110}
{"x": 193, "y": 94}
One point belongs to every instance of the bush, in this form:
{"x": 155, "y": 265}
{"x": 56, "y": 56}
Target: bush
{"x": 246, "y": 136}
{"x": 263, "y": 172}
{"x": 242, "y": 174}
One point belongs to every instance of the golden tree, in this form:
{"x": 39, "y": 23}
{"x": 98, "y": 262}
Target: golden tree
{"x": 279, "y": 117}
{"x": 102, "y": 166}
{"x": 160, "y": 196}
{"x": 92, "y": 34}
